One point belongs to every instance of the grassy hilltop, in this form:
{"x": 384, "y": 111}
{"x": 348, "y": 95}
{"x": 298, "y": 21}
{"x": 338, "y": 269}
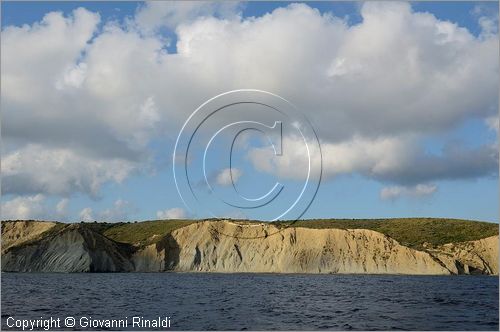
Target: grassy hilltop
{"x": 39, "y": 246}
{"x": 143, "y": 233}
{"x": 412, "y": 232}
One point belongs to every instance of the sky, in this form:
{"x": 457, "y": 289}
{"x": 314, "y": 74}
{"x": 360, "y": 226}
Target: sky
{"x": 403, "y": 98}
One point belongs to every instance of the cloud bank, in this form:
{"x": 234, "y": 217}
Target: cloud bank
{"x": 173, "y": 213}
{"x": 83, "y": 99}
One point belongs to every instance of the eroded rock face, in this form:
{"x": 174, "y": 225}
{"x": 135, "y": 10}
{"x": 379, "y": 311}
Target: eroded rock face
{"x": 16, "y": 232}
{"x": 73, "y": 249}
{"x": 223, "y": 246}
{"x": 149, "y": 259}
{"x": 228, "y": 247}
{"x": 471, "y": 257}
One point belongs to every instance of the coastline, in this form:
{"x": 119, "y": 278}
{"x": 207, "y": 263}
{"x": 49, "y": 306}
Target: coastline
{"x": 230, "y": 247}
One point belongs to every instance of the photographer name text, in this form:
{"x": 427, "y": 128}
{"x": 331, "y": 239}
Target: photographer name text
{"x": 84, "y": 322}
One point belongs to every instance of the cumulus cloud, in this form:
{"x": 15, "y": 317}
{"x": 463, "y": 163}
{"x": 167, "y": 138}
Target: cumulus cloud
{"x": 61, "y": 171}
{"x": 121, "y": 210}
{"x": 156, "y": 14}
{"x": 396, "y": 72}
{"x": 493, "y": 123}
{"x": 420, "y": 190}
{"x": 173, "y": 213}
{"x": 81, "y": 104}
{"x": 228, "y": 176}
{"x": 72, "y": 77}
{"x": 34, "y": 207}
{"x": 28, "y": 207}
{"x": 61, "y": 207}
{"x": 56, "y": 138}
{"x": 487, "y": 18}
{"x": 397, "y": 160}
{"x": 86, "y": 214}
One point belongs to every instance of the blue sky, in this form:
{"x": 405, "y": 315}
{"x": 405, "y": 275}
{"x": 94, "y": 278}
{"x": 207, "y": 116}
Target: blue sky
{"x": 27, "y": 12}
{"x": 446, "y": 139}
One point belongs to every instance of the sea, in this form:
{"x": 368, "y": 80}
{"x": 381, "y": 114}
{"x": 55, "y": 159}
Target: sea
{"x": 207, "y": 301}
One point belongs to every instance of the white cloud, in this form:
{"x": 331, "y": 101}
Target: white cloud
{"x": 489, "y": 26}
{"x": 31, "y": 54}
{"x": 173, "y": 213}
{"x": 395, "y": 192}
{"x": 62, "y": 206}
{"x": 493, "y": 123}
{"x": 120, "y": 211}
{"x": 61, "y": 133}
{"x": 388, "y": 159}
{"x": 86, "y": 214}
{"x": 155, "y": 14}
{"x": 73, "y": 77}
{"x": 396, "y": 71}
{"x": 34, "y": 207}
{"x": 28, "y": 207}
{"x": 228, "y": 176}
{"x": 60, "y": 171}
{"x": 81, "y": 105}
{"x": 487, "y": 18}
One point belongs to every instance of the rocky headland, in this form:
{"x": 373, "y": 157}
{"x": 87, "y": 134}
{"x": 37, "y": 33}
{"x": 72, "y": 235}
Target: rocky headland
{"x": 241, "y": 247}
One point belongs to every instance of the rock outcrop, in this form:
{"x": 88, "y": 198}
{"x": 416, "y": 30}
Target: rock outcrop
{"x": 227, "y": 247}
{"x": 150, "y": 258}
{"x": 14, "y": 233}
{"x": 75, "y": 248}
{"x": 222, "y": 246}
{"x": 472, "y": 257}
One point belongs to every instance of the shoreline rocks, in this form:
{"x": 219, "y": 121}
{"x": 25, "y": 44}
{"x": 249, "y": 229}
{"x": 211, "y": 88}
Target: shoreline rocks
{"x": 229, "y": 247}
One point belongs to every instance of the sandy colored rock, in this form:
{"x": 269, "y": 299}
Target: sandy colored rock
{"x": 149, "y": 259}
{"x": 471, "y": 257}
{"x": 17, "y": 232}
{"x": 73, "y": 249}
{"x": 229, "y": 247}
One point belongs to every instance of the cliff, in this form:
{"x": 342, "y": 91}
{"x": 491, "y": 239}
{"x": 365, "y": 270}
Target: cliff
{"x": 472, "y": 257}
{"x": 72, "y": 249}
{"x": 223, "y": 246}
{"x": 227, "y": 247}
{"x": 14, "y": 233}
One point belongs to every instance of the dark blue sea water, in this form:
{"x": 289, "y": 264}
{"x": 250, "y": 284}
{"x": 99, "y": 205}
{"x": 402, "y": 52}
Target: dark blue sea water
{"x": 258, "y": 301}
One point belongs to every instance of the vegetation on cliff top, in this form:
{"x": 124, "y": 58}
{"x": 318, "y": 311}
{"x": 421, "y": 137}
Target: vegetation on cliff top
{"x": 412, "y": 232}
{"x": 144, "y": 233}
